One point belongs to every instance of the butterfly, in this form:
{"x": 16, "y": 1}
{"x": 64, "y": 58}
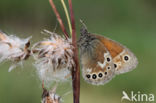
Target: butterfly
{"x": 102, "y": 58}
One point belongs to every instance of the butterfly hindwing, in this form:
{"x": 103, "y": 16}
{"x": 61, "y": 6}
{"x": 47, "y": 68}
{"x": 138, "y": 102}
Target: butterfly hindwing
{"x": 97, "y": 63}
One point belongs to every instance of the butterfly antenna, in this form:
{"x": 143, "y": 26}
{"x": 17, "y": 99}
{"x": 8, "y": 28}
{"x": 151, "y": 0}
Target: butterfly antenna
{"x": 83, "y": 24}
{"x": 83, "y": 29}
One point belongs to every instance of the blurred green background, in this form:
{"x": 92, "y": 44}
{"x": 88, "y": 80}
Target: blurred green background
{"x": 131, "y": 22}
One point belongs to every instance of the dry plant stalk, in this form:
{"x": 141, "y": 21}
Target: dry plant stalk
{"x": 59, "y": 18}
{"x": 76, "y": 70}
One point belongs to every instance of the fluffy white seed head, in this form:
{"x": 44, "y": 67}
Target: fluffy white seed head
{"x": 50, "y": 96}
{"x": 14, "y": 49}
{"x": 54, "y": 58}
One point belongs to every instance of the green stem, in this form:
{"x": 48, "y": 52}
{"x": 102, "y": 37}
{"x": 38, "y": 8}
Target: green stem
{"x": 67, "y": 15}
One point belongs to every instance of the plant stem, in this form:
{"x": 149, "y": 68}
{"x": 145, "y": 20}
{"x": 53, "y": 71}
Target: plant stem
{"x": 59, "y": 19}
{"x": 76, "y": 71}
{"x": 67, "y": 15}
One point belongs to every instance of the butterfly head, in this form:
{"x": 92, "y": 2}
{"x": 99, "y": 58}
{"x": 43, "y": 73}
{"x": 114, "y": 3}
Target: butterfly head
{"x": 86, "y": 41}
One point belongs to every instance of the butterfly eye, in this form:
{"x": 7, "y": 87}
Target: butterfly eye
{"x": 105, "y": 73}
{"x": 94, "y": 76}
{"x": 88, "y": 76}
{"x": 126, "y": 58}
{"x": 100, "y": 75}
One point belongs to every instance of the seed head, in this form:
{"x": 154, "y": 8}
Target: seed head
{"x": 54, "y": 58}
{"x": 14, "y": 49}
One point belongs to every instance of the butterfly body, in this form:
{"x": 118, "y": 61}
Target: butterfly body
{"x": 103, "y": 58}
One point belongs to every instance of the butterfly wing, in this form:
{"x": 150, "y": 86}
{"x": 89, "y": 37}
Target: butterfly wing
{"x": 97, "y": 64}
{"x": 124, "y": 60}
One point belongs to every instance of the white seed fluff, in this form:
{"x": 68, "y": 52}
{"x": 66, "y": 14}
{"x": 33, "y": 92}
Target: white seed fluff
{"x": 53, "y": 98}
{"x": 54, "y": 58}
{"x": 12, "y": 48}
{"x": 50, "y": 96}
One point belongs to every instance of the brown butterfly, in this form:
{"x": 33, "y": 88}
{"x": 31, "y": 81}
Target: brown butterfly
{"x": 103, "y": 58}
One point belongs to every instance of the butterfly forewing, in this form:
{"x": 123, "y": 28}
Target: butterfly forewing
{"x": 124, "y": 60}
